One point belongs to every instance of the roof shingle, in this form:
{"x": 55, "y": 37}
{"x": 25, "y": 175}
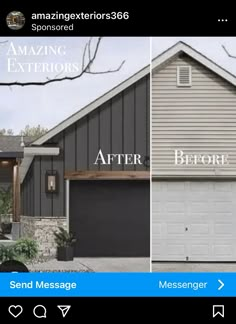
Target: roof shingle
{"x": 9, "y": 143}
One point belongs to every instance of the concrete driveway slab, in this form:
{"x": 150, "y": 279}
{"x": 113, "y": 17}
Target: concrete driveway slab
{"x": 58, "y": 266}
{"x": 117, "y": 264}
{"x": 93, "y": 265}
{"x": 193, "y": 267}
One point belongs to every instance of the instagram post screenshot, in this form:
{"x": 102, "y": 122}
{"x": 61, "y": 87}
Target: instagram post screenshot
{"x": 117, "y": 164}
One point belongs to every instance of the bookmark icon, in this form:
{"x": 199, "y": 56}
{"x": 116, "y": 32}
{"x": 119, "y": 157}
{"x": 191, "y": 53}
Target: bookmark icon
{"x": 218, "y": 310}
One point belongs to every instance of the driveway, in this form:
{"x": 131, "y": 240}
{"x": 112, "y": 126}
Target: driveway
{"x": 117, "y": 264}
{"x": 93, "y": 265}
{"x": 193, "y": 267}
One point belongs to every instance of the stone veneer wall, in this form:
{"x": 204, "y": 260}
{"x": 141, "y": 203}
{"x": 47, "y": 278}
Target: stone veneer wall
{"x": 41, "y": 230}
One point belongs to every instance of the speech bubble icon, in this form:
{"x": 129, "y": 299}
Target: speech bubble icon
{"x": 40, "y": 311}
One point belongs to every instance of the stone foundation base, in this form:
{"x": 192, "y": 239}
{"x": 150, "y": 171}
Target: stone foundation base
{"x": 15, "y": 231}
{"x": 41, "y": 229}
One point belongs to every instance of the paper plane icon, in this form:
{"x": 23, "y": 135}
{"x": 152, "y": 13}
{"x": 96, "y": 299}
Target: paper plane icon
{"x": 64, "y": 309}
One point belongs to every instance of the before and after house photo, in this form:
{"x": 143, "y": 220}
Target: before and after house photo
{"x": 110, "y": 162}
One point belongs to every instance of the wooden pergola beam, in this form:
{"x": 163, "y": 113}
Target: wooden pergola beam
{"x": 108, "y": 175}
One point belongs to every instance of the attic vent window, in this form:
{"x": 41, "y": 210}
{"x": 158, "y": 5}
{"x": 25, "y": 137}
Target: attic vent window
{"x": 184, "y": 76}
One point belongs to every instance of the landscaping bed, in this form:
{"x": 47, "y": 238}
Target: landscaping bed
{"x": 2, "y": 237}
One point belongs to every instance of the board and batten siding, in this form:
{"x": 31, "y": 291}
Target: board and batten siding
{"x": 120, "y": 125}
{"x": 196, "y": 119}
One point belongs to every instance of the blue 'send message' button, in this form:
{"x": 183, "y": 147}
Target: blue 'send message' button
{"x": 40, "y": 284}
{"x": 117, "y": 284}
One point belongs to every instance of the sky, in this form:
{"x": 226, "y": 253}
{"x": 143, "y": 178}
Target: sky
{"x": 51, "y": 104}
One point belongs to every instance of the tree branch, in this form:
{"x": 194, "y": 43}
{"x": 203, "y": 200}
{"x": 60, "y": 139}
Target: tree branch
{"x": 84, "y": 54}
{"x": 227, "y": 52}
{"x": 89, "y": 51}
{"x": 86, "y": 68}
{"x": 107, "y": 71}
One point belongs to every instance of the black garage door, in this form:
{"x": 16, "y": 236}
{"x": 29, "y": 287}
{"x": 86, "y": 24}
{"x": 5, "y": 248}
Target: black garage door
{"x": 110, "y": 218}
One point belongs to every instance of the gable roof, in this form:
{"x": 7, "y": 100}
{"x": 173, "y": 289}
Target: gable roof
{"x": 179, "y": 47}
{"x": 156, "y": 63}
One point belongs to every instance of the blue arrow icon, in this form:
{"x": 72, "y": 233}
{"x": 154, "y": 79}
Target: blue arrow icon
{"x": 221, "y": 284}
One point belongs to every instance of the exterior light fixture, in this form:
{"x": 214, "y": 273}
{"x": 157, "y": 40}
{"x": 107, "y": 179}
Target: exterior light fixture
{"x": 51, "y": 182}
{"x": 5, "y": 162}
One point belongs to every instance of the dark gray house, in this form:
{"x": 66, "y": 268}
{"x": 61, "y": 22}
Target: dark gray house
{"x": 90, "y": 174}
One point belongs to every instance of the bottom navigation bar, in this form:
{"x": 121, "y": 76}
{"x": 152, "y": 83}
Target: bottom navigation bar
{"x": 163, "y": 309}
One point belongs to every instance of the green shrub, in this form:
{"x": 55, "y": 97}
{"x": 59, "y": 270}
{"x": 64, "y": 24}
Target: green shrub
{"x": 7, "y": 253}
{"x": 26, "y": 249}
{"x": 6, "y": 201}
{"x": 23, "y": 250}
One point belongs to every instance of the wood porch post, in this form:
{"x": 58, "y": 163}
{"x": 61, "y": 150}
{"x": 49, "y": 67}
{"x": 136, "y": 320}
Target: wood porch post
{"x": 16, "y": 193}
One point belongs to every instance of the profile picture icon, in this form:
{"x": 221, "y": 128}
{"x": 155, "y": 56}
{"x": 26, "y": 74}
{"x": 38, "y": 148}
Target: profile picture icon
{"x": 15, "y": 20}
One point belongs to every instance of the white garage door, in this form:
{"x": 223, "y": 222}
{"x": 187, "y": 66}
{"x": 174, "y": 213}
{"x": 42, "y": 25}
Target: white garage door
{"x": 194, "y": 220}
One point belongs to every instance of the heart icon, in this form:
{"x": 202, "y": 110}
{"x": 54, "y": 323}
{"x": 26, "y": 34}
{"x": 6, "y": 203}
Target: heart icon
{"x": 15, "y": 310}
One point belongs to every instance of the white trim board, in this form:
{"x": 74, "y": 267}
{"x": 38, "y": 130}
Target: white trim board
{"x": 32, "y": 151}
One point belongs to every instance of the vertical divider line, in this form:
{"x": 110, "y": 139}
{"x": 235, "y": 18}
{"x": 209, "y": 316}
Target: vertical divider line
{"x": 52, "y": 195}
{"x": 33, "y": 170}
{"x": 150, "y": 147}
{"x": 123, "y": 137}
{"x": 111, "y": 128}
{"x": 40, "y": 185}
{"x": 99, "y": 134}
{"x": 75, "y": 146}
{"x": 64, "y": 162}
{"x": 87, "y": 120}
{"x": 135, "y": 123}
{"x": 147, "y": 121}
